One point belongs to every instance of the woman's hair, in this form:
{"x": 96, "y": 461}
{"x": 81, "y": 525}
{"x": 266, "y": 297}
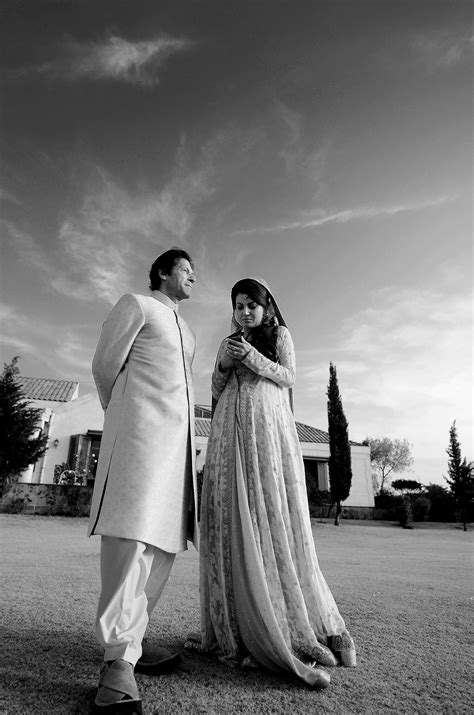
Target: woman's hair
{"x": 264, "y": 335}
{"x": 165, "y": 263}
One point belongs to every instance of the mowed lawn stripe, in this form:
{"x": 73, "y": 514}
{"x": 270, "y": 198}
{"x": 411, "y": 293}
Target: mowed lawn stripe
{"x": 405, "y": 594}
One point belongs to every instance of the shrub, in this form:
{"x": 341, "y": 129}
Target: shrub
{"x": 390, "y": 504}
{"x": 421, "y": 507}
{"x": 318, "y": 501}
{"x": 17, "y": 505}
{"x": 442, "y": 504}
{"x": 405, "y": 512}
{"x": 200, "y": 480}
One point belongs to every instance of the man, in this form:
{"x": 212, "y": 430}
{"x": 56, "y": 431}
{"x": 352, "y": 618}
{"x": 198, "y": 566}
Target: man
{"x": 145, "y": 487}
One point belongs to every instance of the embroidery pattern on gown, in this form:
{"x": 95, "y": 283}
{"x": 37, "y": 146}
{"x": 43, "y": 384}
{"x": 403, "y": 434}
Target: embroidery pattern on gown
{"x": 287, "y": 612}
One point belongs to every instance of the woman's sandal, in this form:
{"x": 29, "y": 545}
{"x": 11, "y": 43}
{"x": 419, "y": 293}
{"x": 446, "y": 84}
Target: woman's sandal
{"x": 344, "y": 647}
{"x": 321, "y": 678}
{"x": 117, "y": 693}
{"x": 193, "y": 642}
{"x": 318, "y": 655}
{"x": 249, "y": 662}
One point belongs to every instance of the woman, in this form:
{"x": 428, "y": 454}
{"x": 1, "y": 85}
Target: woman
{"x": 264, "y": 600}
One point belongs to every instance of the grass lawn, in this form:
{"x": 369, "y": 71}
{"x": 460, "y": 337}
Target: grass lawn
{"x": 405, "y": 596}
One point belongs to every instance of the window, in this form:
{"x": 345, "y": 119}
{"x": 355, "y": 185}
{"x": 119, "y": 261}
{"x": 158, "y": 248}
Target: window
{"x": 323, "y": 476}
{"x": 317, "y": 475}
{"x": 84, "y": 455}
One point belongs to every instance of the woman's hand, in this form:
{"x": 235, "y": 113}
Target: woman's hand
{"x": 237, "y": 349}
{"x": 225, "y": 363}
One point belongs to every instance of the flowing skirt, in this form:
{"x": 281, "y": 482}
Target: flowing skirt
{"x": 262, "y": 591}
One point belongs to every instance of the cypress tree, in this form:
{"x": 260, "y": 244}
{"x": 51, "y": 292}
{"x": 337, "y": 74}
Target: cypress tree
{"x": 20, "y": 445}
{"x": 461, "y": 474}
{"x": 340, "y": 470}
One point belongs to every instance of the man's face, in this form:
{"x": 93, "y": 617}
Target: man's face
{"x": 179, "y": 284}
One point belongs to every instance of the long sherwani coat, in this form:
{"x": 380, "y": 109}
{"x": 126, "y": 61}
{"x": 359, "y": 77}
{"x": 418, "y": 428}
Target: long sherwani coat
{"x": 145, "y": 483}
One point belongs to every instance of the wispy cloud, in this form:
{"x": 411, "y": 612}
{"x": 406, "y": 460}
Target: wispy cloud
{"x": 8, "y": 196}
{"x": 293, "y": 123}
{"x": 442, "y": 50}
{"x": 298, "y": 151}
{"x": 321, "y": 217}
{"x": 100, "y": 239}
{"x": 114, "y": 58}
{"x": 94, "y": 253}
{"x": 14, "y": 339}
{"x": 74, "y": 354}
{"x": 27, "y": 249}
{"x": 64, "y": 352}
{"x": 404, "y": 366}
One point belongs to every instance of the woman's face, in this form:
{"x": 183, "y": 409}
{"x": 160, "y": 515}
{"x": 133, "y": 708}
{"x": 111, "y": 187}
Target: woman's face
{"x": 247, "y": 312}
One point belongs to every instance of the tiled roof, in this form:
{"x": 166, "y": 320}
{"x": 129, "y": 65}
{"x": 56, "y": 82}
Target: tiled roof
{"x": 202, "y": 427}
{"x": 39, "y": 388}
{"x": 311, "y": 434}
{"x": 305, "y": 432}
{"x": 202, "y": 411}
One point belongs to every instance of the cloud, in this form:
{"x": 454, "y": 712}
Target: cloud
{"x": 301, "y": 157}
{"x": 94, "y": 252}
{"x": 28, "y": 250}
{"x": 291, "y": 150}
{"x": 99, "y": 240}
{"x": 8, "y": 196}
{"x": 95, "y": 248}
{"x": 115, "y": 58}
{"x": 347, "y": 215}
{"x": 442, "y": 50}
{"x": 73, "y": 354}
{"x": 61, "y": 352}
{"x": 404, "y": 367}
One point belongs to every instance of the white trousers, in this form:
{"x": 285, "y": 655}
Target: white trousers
{"x": 133, "y": 576}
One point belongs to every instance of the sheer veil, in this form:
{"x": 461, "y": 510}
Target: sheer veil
{"x": 273, "y": 312}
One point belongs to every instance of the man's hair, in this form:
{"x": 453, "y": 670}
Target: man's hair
{"x": 165, "y": 263}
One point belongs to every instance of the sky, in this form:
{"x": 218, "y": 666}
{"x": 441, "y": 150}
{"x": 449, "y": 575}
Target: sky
{"x": 324, "y": 146}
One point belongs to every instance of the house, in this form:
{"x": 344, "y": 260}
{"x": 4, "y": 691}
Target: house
{"x": 47, "y": 395}
{"x": 74, "y": 428}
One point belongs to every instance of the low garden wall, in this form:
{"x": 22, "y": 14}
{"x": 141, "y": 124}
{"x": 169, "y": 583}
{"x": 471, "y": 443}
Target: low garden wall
{"x": 320, "y": 511}
{"x": 47, "y": 500}
{"x": 73, "y": 500}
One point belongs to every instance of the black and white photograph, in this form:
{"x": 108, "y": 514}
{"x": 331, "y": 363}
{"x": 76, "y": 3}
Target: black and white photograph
{"x": 236, "y": 390}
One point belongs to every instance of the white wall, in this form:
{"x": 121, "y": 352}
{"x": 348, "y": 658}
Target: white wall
{"x": 362, "y": 490}
{"x": 201, "y": 447}
{"x": 85, "y": 413}
{"x": 68, "y": 418}
{"x": 34, "y": 471}
{"x": 317, "y": 450}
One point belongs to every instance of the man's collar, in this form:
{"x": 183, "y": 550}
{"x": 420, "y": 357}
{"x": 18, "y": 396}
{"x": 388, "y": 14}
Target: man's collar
{"x": 165, "y": 300}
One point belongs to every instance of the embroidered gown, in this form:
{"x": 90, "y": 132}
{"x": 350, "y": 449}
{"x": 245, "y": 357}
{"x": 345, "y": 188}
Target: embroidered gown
{"x": 262, "y": 591}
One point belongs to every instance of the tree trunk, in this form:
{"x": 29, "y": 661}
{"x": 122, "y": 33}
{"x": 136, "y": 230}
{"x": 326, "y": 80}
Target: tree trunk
{"x": 338, "y": 512}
